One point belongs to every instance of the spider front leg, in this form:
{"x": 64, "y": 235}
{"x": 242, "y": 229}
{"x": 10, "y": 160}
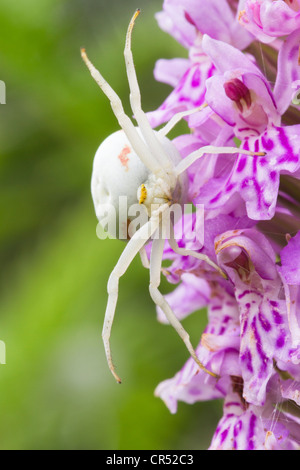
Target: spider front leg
{"x": 134, "y": 245}
{"x": 160, "y": 301}
{"x": 133, "y": 136}
{"x": 154, "y": 144}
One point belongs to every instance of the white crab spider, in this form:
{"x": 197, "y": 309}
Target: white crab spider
{"x": 156, "y": 178}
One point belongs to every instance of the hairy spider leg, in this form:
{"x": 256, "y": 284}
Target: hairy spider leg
{"x": 132, "y": 248}
{"x": 126, "y": 124}
{"x": 135, "y": 100}
{"x": 160, "y": 301}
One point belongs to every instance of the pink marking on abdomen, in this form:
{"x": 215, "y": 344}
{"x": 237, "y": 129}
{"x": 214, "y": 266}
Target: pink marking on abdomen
{"x": 123, "y": 157}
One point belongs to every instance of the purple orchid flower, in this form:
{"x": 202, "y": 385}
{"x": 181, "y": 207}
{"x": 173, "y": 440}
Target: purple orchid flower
{"x": 241, "y": 96}
{"x": 248, "y": 427}
{"x": 188, "y": 21}
{"x": 260, "y": 322}
{"x": 219, "y": 349}
{"x": 268, "y": 20}
{"x": 266, "y": 338}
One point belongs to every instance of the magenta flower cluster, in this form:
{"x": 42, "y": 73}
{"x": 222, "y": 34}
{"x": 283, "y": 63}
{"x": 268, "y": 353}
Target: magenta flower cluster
{"x": 244, "y": 63}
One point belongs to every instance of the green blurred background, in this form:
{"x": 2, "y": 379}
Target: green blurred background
{"x": 56, "y": 391}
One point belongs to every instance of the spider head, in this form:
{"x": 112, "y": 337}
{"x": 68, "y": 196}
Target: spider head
{"x": 119, "y": 173}
{"x": 164, "y": 186}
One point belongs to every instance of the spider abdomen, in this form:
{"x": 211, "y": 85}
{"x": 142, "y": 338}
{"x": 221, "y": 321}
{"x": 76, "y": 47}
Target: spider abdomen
{"x": 117, "y": 173}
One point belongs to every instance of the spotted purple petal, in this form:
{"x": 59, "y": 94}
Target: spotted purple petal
{"x": 245, "y": 427}
{"x": 256, "y": 179}
{"x": 265, "y": 335}
{"x": 189, "y": 92}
